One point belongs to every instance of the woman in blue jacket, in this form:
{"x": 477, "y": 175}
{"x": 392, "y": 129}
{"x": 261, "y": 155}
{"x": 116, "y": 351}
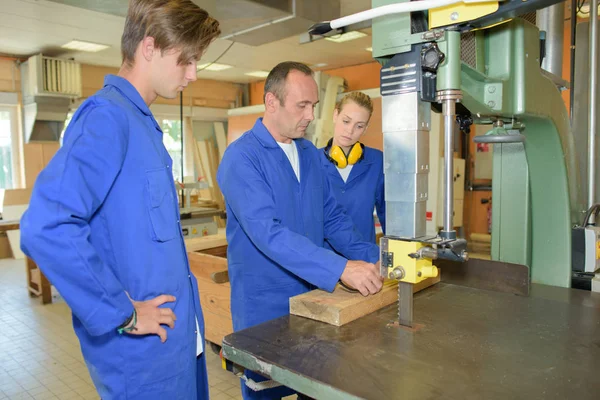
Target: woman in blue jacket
{"x": 355, "y": 171}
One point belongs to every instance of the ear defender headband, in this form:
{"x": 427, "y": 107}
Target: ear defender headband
{"x": 337, "y": 156}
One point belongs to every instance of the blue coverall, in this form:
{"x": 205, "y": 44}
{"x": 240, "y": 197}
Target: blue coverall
{"x": 103, "y": 222}
{"x": 276, "y": 230}
{"x": 363, "y": 192}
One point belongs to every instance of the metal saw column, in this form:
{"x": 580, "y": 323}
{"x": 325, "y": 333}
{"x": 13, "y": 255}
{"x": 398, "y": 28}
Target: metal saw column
{"x": 406, "y": 122}
{"x": 449, "y": 93}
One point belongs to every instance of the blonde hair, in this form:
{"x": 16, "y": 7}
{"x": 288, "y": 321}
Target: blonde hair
{"x": 174, "y": 24}
{"x": 359, "y": 98}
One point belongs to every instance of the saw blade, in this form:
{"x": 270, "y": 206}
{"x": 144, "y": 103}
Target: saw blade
{"x": 405, "y": 304}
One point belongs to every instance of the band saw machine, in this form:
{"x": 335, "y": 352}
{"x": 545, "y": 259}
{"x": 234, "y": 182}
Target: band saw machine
{"x": 510, "y": 327}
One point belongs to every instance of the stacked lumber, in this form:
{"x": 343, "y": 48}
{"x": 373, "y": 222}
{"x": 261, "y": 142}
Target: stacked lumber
{"x": 207, "y": 155}
{"x": 480, "y": 243}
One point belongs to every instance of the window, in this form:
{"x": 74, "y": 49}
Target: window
{"x": 68, "y": 120}
{"x": 9, "y": 148}
{"x": 172, "y": 140}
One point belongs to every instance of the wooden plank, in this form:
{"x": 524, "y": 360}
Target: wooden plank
{"x": 189, "y": 149}
{"x": 480, "y": 243}
{"x": 206, "y": 242}
{"x": 477, "y": 247}
{"x": 212, "y": 170}
{"x": 203, "y": 265}
{"x": 214, "y": 166}
{"x": 340, "y": 307}
{"x": 9, "y": 225}
{"x": 220, "y": 251}
{"x": 216, "y": 192}
{"x": 221, "y": 138}
{"x": 214, "y": 297}
{"x": 217, "y": 326}
{"x": 200, "y": 174}
{"x": 481, "y": 237}
{"x": 205, "y": 159}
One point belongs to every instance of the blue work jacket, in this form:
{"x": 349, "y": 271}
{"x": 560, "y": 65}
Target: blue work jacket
{"x": 363, "y": 191}
{"x": 103, "y": 222}
{"x": 277, "y": 227}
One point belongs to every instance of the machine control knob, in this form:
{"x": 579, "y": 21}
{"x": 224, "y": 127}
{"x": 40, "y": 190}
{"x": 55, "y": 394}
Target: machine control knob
{"x": 431, "y": 57}
{"x": 397, "y": 273}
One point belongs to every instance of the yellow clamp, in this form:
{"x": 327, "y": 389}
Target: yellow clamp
{"x": 406, "y": 268}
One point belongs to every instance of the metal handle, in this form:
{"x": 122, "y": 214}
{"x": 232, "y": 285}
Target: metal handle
{"x": 519, "y": 138}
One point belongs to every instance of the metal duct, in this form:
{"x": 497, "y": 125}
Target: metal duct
{"x": 252, "y": 22}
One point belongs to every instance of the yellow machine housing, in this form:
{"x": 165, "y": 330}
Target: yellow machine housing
{"x": 454, "y": 14}
{"x": 404, "y": 262}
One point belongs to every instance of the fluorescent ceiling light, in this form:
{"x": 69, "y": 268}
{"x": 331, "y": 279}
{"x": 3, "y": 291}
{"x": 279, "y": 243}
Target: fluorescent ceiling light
{"x": 84, "y": 46}
{"x": 258, "y": 74}
{"x": 213, "y": 67}
{"x": 319, "y": 65}
{"x": 369, "y": 49}
{"x": 344, "y": 37}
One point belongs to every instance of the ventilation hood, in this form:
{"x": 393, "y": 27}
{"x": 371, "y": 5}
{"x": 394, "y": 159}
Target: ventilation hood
{"x": 44, "y": 119}
{"x": 252, "y": 22}
{"x": 277, "y": 19}
{"x": 48, "y": 85}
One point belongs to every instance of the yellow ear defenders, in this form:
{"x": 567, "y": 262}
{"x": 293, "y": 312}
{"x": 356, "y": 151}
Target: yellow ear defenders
{"x": 337, "y": 156}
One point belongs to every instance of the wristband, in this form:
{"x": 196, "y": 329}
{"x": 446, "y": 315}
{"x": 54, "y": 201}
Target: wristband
{"x": 122, "y": 329}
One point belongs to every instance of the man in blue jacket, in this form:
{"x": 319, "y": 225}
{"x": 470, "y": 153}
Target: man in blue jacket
{"x": 103, "y": 221}
{"x": 280, "y": 211}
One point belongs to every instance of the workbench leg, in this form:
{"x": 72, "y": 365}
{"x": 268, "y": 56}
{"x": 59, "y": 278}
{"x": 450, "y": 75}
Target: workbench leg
{"x": 29, "y": 267}
{"x": 46, "y": 289}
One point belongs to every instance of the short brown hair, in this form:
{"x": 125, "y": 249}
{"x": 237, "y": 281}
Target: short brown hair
{"x": 275, "y": 82}
{"x": 179, "y": 24}
{"x": 359, "y": 98}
